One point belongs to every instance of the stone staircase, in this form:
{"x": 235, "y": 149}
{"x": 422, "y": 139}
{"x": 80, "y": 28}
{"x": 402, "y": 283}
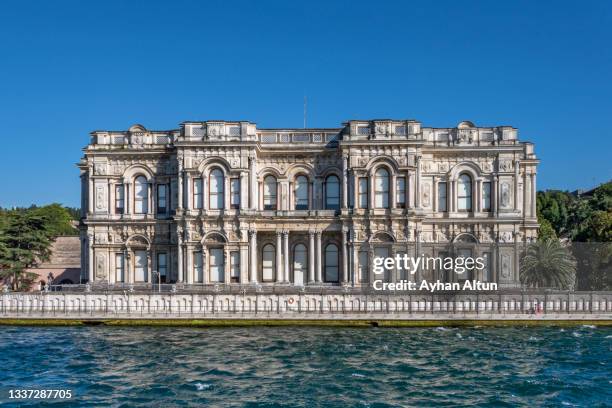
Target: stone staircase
{"x": 65, "y": 253}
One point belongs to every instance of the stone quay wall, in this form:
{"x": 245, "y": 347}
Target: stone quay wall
{"x": 517, "y": 305}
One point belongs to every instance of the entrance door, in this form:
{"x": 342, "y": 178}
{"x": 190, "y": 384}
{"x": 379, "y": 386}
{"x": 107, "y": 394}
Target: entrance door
{"x": 140, "y": 266}
{"x": 383, "y": 252}
{"x": 216, "y": 265}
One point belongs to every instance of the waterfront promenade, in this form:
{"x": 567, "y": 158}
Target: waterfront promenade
{"x": 253, "y": 303}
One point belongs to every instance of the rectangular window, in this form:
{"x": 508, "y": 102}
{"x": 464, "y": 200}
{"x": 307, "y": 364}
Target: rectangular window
{"x": 198, "y": 270}
{"x": 162, "y": 198}
{"x": 216, "y": 264}
{"x": 442, "y": 197}
{"x": 197, "y": 193}
{"x": 235, "y": 267}
{"x": 446, "y": 274}
{"x": 140, "y": 266}
{"x": 235, "y": 192}
{"x": 400, "y": 270}
{"x": 119, "y": 268}
{"x": 364, "y": 267}
{"x": 486, "y": 196}
{"x": 400, "y": 192}
{"x": 162, "y": 267}
{"x": 363, "y": 192}
{"x": 119, "y": 198}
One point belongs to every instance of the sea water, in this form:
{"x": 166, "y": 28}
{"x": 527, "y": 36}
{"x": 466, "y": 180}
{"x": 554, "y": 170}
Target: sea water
{"x": 289, "y": 366}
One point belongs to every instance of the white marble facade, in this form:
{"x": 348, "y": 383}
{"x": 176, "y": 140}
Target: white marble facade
{"x": 229, "y": 203}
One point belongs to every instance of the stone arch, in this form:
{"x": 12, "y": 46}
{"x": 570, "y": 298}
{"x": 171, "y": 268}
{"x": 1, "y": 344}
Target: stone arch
{"x": 466, "y": 124}
{"x": 387, "y": 161}
{"x": 466, "y": 238}
{"x": 138, "y": 240}
{"x": 299, "y": 169}
{"x": 214, "y": 237}
{"x": 137, "y": 128}
{"x": 382, "y": 236}
{"x": 470, "y": 168}
{"x": 136, "y": 170}
{"x": 269, "y": 171}
{"x": 206, "y": 165}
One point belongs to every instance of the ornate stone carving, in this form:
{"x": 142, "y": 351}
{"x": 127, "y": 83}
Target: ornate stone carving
{"x": 505, "y": 266}
{"x": 506, "y": 236}
{"x": 426, "y": 195}
{"x": 505, "y": 195}
{"x": 100, "y": 266}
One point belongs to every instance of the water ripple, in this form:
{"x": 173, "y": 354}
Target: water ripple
{"x": 269, "y": 367}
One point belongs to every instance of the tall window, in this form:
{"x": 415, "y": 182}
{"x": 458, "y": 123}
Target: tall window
{"x": 268, "y": 263}
{"x": 300, "y": 263}
{"x": 442, "y": 197}
{"x": 198, "y": 268}
{"x": 216, "y": 264}
{"x": 141, "y": 195}
{"x": 217, "y": 190}
{"x": 381, "y": 188}
{"x": 400, "y": 192}
{"x": 235, "y": 192}
{"x": 162, "y": 198}
{"x": 332, "y": 193}
{"x": 269, "y": 193}
{"x": 301, "y": 193}
{"x": 363, "y": 192}
{"x": 235, "y": 266}
{"x": 364, "y": 267}
{"x": 464, "y": 193}
{"x": 197, "y": 193}
{"x": 162, "y": 267}
{"x": 486, "y": 196}
{"x": 119, "y": 268}
{"x": 119, "y": 198}
{"x": 331, "y": 263}
{"x": 140, "y": 266}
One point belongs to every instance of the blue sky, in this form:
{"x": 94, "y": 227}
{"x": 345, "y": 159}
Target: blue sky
{"x": 67, "y": 68}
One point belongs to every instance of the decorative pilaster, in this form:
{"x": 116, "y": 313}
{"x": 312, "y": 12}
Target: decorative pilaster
{"x": 286, "y": 254}
{"x": 344, "y": 256}
{"x": 253, "y": 250}
{"x": 311, "y": 257}
{"x": 318, "y": 270}
{"x": 344, "y": 181}
{"x": 417, "y": 189}
{"x": 533, "y": 195}
{"x": 279, "y": 258}
{"x": 179, "y": 239}
{"x": 253, "y": 183}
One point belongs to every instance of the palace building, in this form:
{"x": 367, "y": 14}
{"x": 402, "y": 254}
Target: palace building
{"x": 218, "y": 202}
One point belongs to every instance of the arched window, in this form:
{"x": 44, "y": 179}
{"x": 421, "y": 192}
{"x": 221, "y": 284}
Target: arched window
{"x": 381, "y": 188}
{"x": 464, "y": 193}
{"x": 332, "y": 193}
{"x": 269, "y": 195}
{"x": 268, "y": 262}
{"x": 141, "y": 195}
{"x": 301, "y": 193}
{"x": 217, "y": 190}
{"x": 331, "y": 263}
{"x": 300, "y": 263}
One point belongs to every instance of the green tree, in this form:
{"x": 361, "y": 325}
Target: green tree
{"x": 56, "y": 218}
{"x": 25, "y": 240}
{"x": 547, "y": 263}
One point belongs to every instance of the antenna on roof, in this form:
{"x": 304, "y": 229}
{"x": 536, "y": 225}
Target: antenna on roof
{"x": 305, "y": 102}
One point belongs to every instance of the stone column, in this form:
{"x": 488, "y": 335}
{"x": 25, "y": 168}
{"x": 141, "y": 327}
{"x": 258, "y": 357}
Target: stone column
{"x": 244, "y": 263}
{"x": 279, "y": 257}
{"x": 179, "y": 233}
{"x": 452, "y": 196}
{"x": 517, "y": 164}
{"x": 371, "y": 191}
{"x": 496, "y": 195}
{"x": 434, "y": 195}
{"x": 318, "y": 191}
{"x": 318, "y": 270}
{"x": 344, "y": 181}
{"x": 286, "y": 254}
{"x": 205, "y": 270}
{"x": 525, "y": 195}
{"x": 392, "y": 191}
{"x": 126, "y": 195}
{"x": 253, "y": 183}
{"x": 149, "y": 197}
{"x": 253, "y": 250}
{"x": 417, "y": 189}
{"x": 478, "y": 207}
{"x": 90, "y": 256}
{"x": 344, "y": 257}
{"x": 181, "y": 199}
{"x": 90, "y": 194}
{"x": 533, "y": 195}
{"x": 311, "y": 257}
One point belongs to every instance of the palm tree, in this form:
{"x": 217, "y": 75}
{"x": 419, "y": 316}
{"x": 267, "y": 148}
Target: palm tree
{"x": 547, "y": 263}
